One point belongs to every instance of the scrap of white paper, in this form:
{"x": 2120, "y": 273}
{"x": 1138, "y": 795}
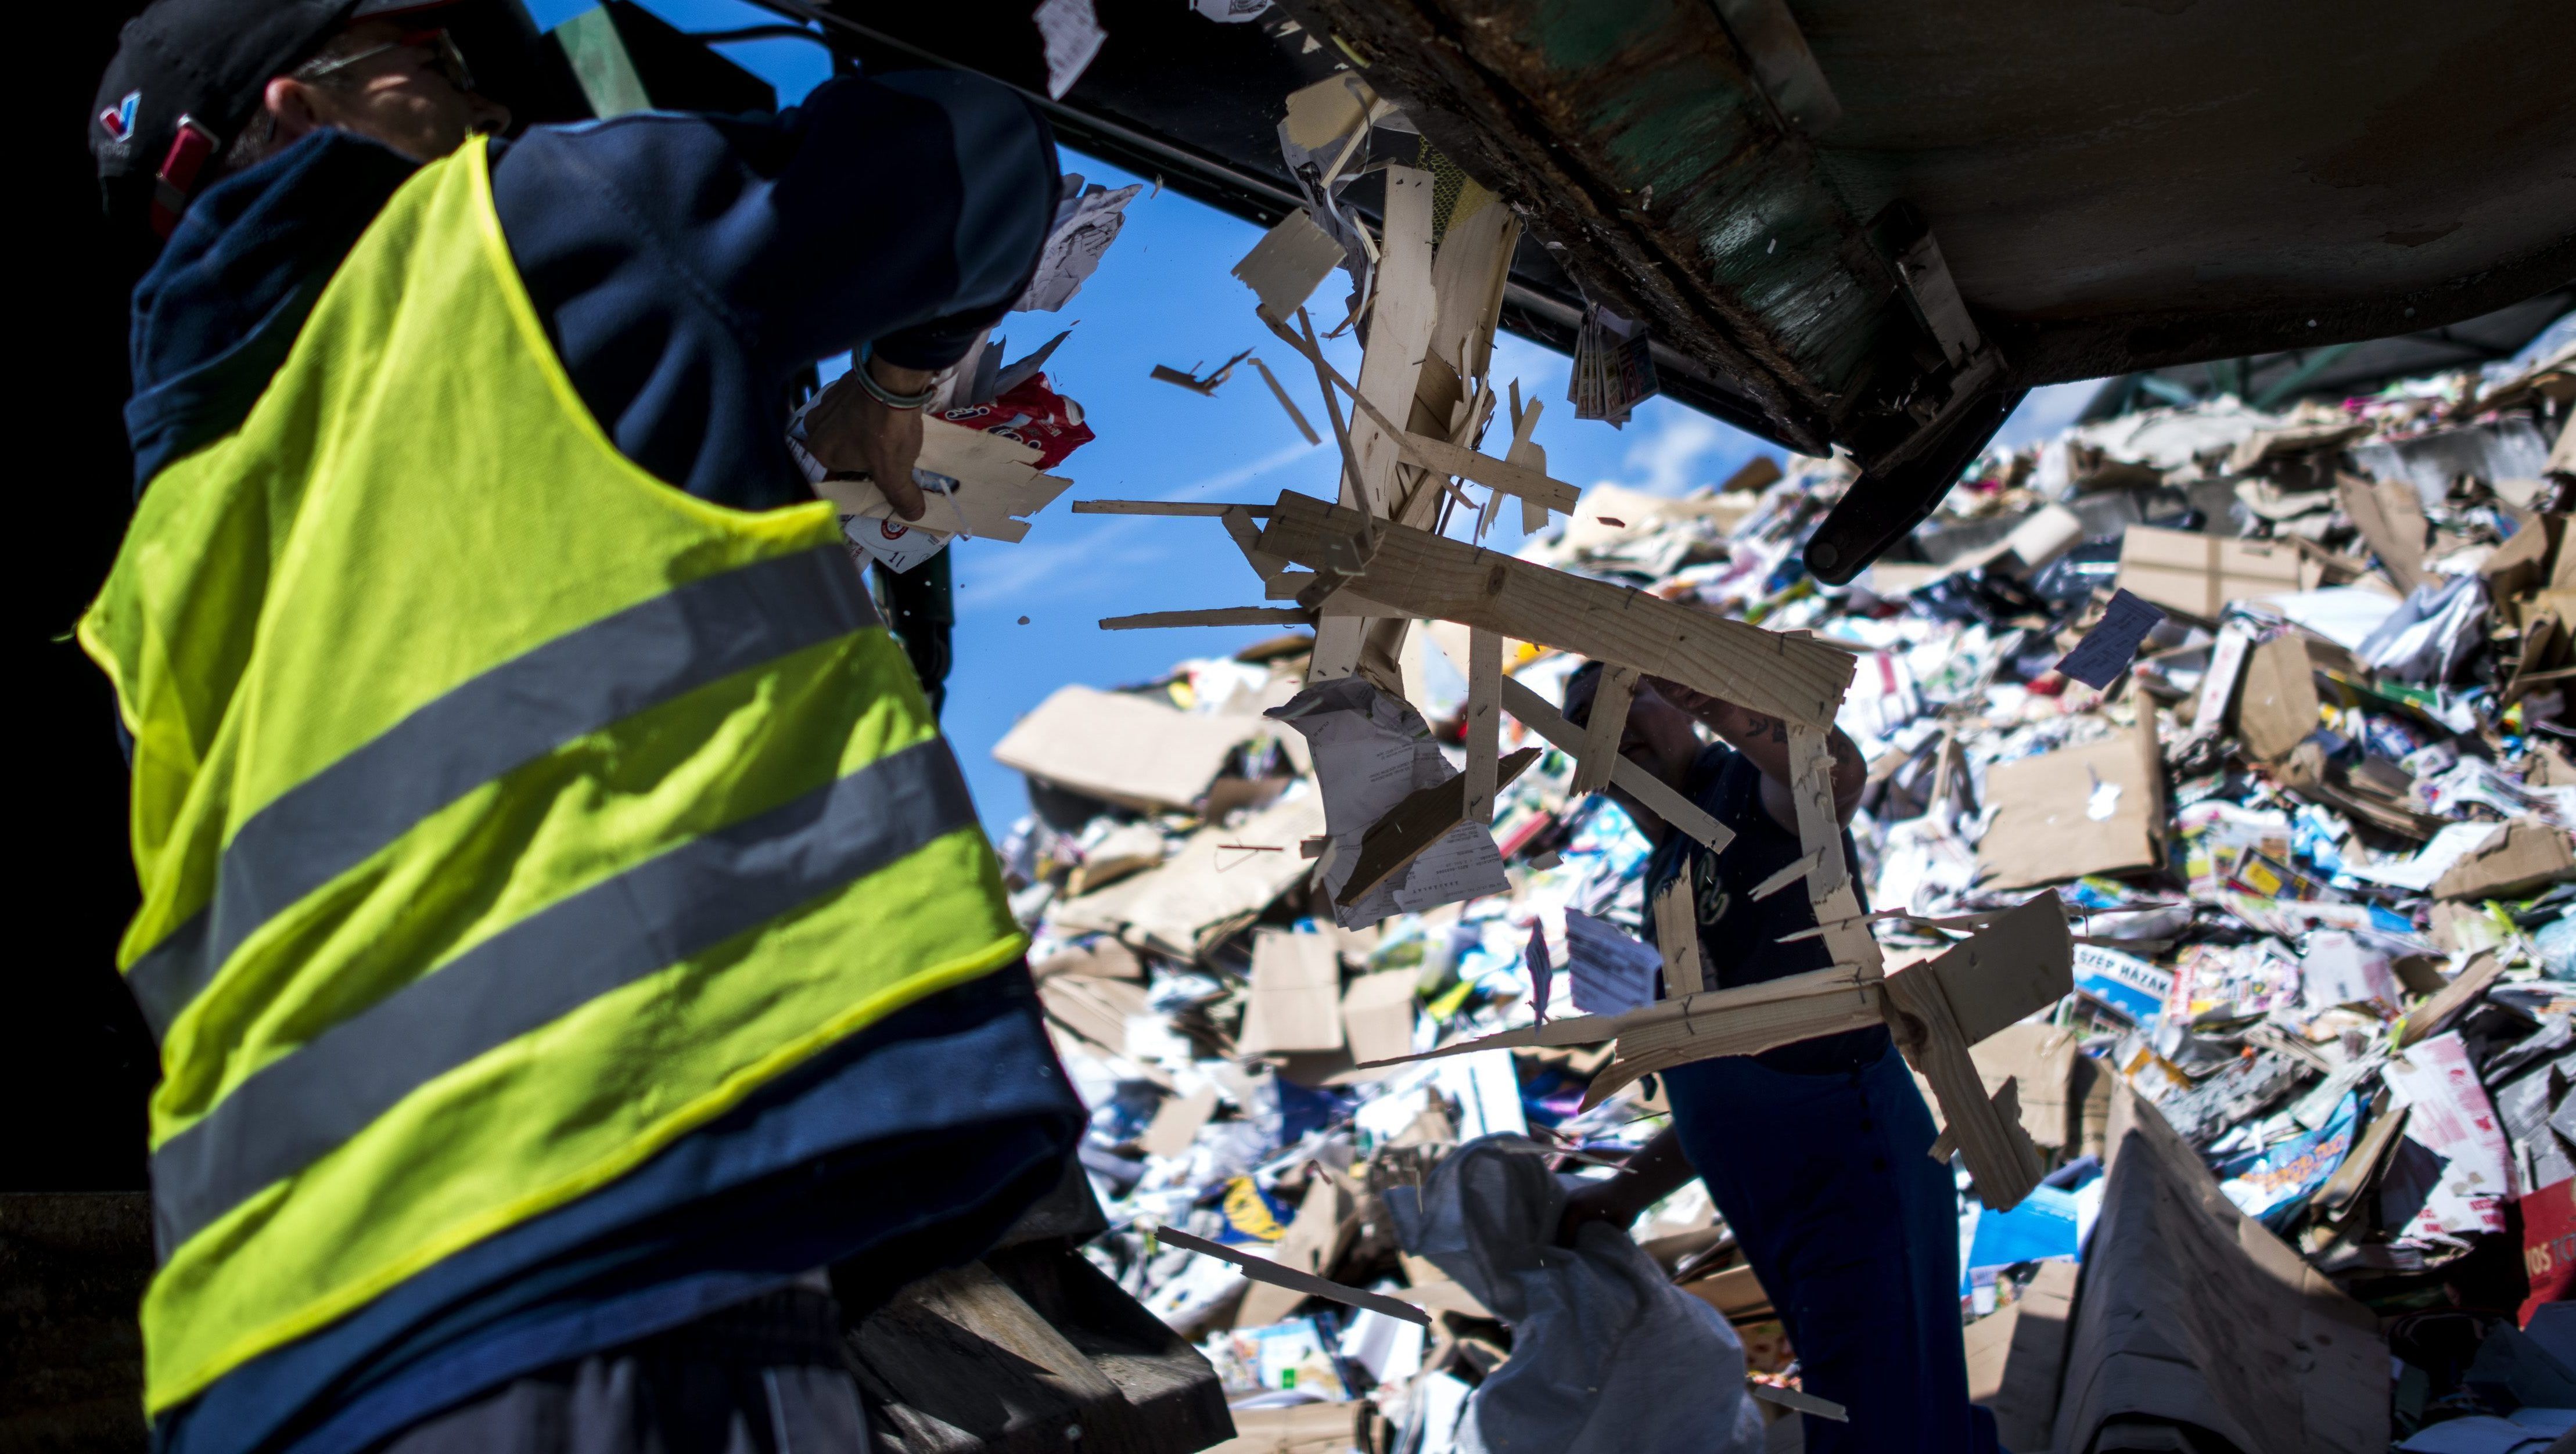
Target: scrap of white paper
{"x": 1371, "y": 751}
{"x": 1086, "y": 222}
{"x": 2218, "y": 683}
{"x": 1071, "y": 30}
{"x": 1612, "y": 972}
{"x": 2112, "y": 644}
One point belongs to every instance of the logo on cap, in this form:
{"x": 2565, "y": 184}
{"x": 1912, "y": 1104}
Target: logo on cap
{"x": 118, "y": 120}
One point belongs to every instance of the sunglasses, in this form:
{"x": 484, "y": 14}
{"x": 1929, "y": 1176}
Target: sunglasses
{"x": 444, "y": 57}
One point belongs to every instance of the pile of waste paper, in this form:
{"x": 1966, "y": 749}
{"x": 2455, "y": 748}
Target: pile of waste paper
{"x": 2306, "y": 1110}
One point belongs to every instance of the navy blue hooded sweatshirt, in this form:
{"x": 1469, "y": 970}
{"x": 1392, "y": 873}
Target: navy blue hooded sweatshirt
{"x": 688, "y": 268}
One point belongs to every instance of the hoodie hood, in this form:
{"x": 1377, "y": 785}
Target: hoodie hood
{"x": 217, "y": 313}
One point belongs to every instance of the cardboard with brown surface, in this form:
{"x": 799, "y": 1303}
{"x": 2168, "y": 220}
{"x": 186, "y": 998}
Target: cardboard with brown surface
{"x": 1377, "y": 1015}
{"x": 1123, "y": 748}
{"x": 1429, "y": 575}
{"x": 1296, "y": 997}
{"x": 2198, "y": 574}
{"x": 2527, "y": 857}
{"x": 2276, "y": 706}
{"x": 1219, "y": 881}
{"x": 2016, "y": 1356}
{"x": 2061, "y": 815}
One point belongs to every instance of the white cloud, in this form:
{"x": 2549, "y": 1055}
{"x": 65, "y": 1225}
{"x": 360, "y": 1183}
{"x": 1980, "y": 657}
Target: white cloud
{"x": 1667, "y": 461}
{"x": 1242, "y": 474}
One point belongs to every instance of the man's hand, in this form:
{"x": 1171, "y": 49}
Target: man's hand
{"x": 849, "y": 431}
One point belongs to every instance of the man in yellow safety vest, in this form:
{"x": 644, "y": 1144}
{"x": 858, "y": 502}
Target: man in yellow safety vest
{"x": 564, "y": 926}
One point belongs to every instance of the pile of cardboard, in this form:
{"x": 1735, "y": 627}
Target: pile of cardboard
{"x": 2298, "y": 1102}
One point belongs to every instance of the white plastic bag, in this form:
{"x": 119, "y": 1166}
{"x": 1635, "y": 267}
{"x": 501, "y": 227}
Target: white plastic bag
{"x": 1608, "y": 1357}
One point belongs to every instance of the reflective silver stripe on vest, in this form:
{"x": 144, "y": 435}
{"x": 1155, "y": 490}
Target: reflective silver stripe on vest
{"x": 295, "y": 1110}
{"x": 579, "y": 683}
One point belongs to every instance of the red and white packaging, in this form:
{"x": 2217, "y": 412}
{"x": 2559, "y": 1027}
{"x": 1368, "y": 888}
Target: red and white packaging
{"x": 2449, "y": 1113}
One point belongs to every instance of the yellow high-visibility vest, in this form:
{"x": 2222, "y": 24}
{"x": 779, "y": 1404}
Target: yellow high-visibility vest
{"x": 502, "y": 813}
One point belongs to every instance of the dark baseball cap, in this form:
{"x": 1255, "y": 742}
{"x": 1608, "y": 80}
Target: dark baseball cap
{"x": 188, "y": 75}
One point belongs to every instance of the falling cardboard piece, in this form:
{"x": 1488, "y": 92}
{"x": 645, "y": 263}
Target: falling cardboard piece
{"x": 2022, "y": 962}
{"x": 1377, "y": 1016}
{"x": 1262, "y": 1270}
{"x": 1441, "y": 457}
{"x": 1984, "y": 1130}
{"x": 1295, "y": 1002}
{"x": 1402, "y": 310}
{"x": 997, "y": 482}
{"x": 1529, "y": 455}
{"x": 1211, "y": 616}
{"x": 2084, "y": 810}
{"x": 1124, "y": 748}
{"x": 2515, "y": 864}
{"x": 1745, "y": 1020}
{"x": 2039, "y": 1059}
{"x": 1603, "y": 728}
{"x": 1279, "y": 392}
{"x": 1659, "y": 798}
{"x": 1468, "y": 275}
{"x": 1484, "y": 724}
{"x": 1430, "y": 576}
{"x": 1677, "y": 935}
{"x": 1285, "y": 267}
{"x": 2190, "y": 1315}
{"x": 1328, "y": 110}
{"x": 2198, "y": 575}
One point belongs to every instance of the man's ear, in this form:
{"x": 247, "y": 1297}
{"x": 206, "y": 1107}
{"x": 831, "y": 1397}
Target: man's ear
{"x": 291, "y": 108}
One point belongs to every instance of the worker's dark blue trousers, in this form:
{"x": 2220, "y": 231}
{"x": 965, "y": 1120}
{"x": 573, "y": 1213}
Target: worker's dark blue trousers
{"x": 1854, "y": 1232}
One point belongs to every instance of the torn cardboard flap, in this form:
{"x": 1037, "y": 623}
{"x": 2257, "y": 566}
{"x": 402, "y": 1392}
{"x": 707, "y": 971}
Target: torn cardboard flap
{"x": 1284, "y": 268}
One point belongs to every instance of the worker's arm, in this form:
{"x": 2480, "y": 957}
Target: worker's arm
{"x": 1654, "y": 1173}
{"x": 1764, "y": 740}
{"x": 688, "y": 268}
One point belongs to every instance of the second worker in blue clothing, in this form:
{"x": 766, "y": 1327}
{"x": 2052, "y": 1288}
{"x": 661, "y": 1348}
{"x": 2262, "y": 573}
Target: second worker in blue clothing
{"x": 1815, "y": 1152}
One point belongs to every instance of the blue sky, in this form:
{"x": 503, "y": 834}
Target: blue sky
{"x": 1163, "y": 295}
